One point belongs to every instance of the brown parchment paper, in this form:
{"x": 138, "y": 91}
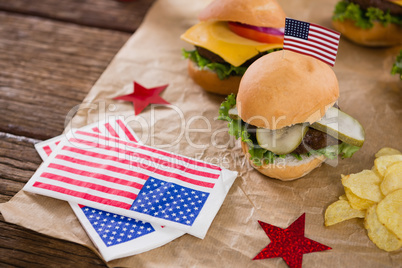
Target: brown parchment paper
{"x": 152, "y": 57}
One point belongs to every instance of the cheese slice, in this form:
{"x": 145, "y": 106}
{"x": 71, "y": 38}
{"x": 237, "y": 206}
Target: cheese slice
{"x": 218, "y": 38}
{"x": 398, "y": 2}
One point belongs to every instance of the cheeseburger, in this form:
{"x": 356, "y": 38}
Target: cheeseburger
{"x": 230, "y": 36}
{"x": 370, "y": 22}
{"x": 286, "y": 116}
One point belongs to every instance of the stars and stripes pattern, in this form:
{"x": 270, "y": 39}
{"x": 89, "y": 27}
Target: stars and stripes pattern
{"x": 114, "y": 235}
{"x": 312, "y": 40}
{"x": 115, "y": 229}
{"x": 114, "y": 127}
{"x": 111, "y": 174}
{"x": 170, "y": 201}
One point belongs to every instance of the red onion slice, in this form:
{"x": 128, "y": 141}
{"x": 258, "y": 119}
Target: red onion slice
{"x": 267, "y": 30}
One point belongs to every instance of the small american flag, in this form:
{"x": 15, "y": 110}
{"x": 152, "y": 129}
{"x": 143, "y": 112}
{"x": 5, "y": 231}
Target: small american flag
{"x": 311, "y": 39}
{"x": 133, "y": 180}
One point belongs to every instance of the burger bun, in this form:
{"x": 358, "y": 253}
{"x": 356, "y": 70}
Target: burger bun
{"x": 288, "y": 168}
{"x": 210, "y": 81}
{"x": 284, "y": 88}
{"x": 377, "y": 36}
{"x": 265, "y": 13}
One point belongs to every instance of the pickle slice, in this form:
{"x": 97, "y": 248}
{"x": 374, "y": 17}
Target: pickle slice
{"x": 281, "y": 141}
{"x": 341, "y": 126}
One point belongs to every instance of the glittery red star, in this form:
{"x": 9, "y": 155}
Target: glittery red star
{"x": 142, "y": 97}
{"x": 289, "y": 243}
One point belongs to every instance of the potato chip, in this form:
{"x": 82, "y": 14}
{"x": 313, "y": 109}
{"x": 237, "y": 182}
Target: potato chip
{"x": 343, "y": 197}
{"x": 387, "y": 151}
{"x": 357, "y": 202}
{"x": 389, "y": 212}
{"x": 392, "y": 179}
{"x": 374, "y": 169}
{"x": 378, "y": 233}
{"x": 383, "y": 162}
{"x": 365, "y": 184}
{"x": 340, "y": 211}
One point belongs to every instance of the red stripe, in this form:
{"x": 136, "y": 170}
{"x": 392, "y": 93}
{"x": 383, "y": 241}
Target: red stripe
{"x": 308, "y": 54}
{"x": 96, "y": 129}
{"x": 47, "y": 149}
{"x": 325, "y": 29}
{"x": 89, "y": 185}
{"x": 103, "y": 166}
{"x": 323, "y": 42}
{"x": 331, "y": 52}
{"x": 311, "y": 50}
{"x": 324, "y": 35}
{"x": 126, "y": 131}
{"x": 97, "y": 176}
{"x": 184, "y": 159}
{"x": 139, "y": 165}
{"x": 85, "y": 196}
{"x": 57, "y": 142}
{"x": 157, "y": 161}
{"x": 111, "y": 130}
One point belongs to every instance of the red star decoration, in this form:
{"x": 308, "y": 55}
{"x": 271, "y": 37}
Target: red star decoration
{"x": 289, "y": 243}
{"x": 142, "y": 97}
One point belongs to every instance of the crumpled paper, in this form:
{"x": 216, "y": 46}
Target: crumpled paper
{"x": 188, "y": 126}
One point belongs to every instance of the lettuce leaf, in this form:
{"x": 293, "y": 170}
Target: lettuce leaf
{"x": 331, "y": 152}
{"x": 229, "y": 102}
{"x": 363, "y": 18}
{"x": 260, "y": 156}
{"x": 223, "y": 70}
{"x": 397, "y": 67}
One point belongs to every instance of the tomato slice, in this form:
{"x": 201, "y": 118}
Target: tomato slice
{"x": 254, "y": 34}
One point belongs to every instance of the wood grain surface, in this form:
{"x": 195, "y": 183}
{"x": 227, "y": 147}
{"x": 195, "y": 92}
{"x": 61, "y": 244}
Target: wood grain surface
{"x": 51, "y": 53}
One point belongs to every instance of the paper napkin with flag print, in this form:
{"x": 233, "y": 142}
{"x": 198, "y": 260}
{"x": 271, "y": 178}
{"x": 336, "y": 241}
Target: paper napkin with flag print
{"x": 134, "y": 180}
{"x": 117, "y": 236}
{"x": 114, "y": 235}
{"x": 113, "y": 127}
{"x": 312, "y": 40}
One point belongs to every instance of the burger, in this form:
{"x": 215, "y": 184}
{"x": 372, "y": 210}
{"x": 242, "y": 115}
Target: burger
{"x": 369, "y": 22}
{"x": 230, "y": 36}
{"x": 286, "y": 116}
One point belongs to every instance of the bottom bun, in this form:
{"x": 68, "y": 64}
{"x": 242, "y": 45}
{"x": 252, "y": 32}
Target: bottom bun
{"x": 288, "y": 168}
{"x": 376, "y": 36}
{"x": 210, "y": 81}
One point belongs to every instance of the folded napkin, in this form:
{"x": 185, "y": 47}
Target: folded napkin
{"x": 93, "y": 166}
{"x": 114, "y": 235}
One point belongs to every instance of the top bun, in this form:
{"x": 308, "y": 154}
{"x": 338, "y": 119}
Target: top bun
{"x": 265, "y": 13}
{"x": 285, "y": 88}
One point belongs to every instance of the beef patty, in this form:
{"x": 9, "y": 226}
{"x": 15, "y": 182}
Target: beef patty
{"x": 314, "y": 140}
{"x": 205, "y": 53}
{"x": 394, "y": 9}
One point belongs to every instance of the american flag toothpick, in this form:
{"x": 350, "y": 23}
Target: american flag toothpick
{"x": 312, "y": 40}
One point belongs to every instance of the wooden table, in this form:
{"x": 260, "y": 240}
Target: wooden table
{"x": 51, "y": 53}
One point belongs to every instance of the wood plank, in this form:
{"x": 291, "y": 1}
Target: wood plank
{"x": 107, "y": 14}
{"x": 47, "y": 68}
{"x": 18, "y": 162}
{"x": 20, "y": 247}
